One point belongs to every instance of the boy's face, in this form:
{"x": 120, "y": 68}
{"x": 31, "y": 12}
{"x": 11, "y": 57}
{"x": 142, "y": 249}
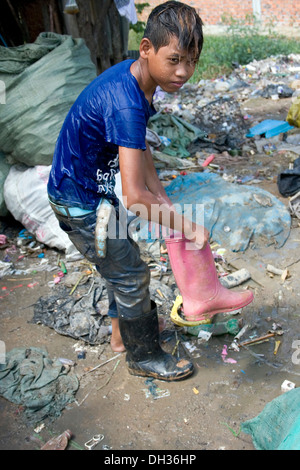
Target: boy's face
{"x": 171, "y": 67}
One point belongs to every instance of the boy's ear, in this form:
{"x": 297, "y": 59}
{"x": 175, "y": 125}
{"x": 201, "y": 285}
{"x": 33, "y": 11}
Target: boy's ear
{"x": 145, "y": 47}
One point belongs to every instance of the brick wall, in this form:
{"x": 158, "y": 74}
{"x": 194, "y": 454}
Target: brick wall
{"x": 284, "y": 13}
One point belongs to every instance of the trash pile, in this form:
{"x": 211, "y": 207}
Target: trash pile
{"x": 236, "y": 147}
{"x": 41, "y": 80}
{"x": 214, "y": 106}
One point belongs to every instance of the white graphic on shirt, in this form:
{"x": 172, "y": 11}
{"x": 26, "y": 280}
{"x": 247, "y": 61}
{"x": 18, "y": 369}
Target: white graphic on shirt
{"x": 106, "y": 181}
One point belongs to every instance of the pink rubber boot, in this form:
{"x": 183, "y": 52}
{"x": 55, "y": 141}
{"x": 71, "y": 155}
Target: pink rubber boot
{"x": 196, "y": 276}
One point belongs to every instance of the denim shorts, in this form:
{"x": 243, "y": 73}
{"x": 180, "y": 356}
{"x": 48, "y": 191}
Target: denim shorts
{"x": 127, "y": 276}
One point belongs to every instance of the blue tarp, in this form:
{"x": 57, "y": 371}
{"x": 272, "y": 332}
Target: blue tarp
{"x": 234, "y": 214}
{"x": 269, "y": 127}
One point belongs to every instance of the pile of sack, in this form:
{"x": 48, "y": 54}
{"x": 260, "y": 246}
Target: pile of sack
{"x": 42, "y": 81}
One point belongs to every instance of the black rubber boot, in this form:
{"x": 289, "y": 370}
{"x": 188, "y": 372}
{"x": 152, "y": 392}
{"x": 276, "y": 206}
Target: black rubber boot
{"x": 145, "y": 356}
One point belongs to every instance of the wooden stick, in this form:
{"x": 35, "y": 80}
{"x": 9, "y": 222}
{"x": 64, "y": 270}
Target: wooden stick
{"x": 256, "y": 340}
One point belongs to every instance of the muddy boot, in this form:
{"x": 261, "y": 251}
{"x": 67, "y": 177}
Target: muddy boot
{"x": 144, "y": 356}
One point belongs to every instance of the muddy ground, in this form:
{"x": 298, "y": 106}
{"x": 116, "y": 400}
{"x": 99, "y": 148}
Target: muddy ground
{"x": 205, "y": 411}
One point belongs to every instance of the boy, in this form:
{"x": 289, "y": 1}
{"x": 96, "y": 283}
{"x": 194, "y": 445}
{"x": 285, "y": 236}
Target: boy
{"x": 103, "y": 133}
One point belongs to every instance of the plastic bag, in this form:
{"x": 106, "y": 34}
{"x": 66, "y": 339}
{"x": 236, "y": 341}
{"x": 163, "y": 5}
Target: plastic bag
{"x": 4, "y": 170}
{"x": 26, "y": 197}
{"x": 293, "y": 116}
{"x": 42, "y": 81}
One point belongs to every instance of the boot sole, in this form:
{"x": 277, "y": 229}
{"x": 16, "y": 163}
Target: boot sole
{"x": 195, "y": 321}
{"x": 209, "y": 315}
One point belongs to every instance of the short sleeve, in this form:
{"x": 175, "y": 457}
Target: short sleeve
{"x": 127, "y": 128}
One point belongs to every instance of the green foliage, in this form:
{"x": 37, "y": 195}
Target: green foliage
{"x": 242, "y": 43}
{"x": 139, "y": 27}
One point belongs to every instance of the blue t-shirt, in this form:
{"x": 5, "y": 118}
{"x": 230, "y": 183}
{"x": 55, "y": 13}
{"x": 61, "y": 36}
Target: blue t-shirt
{"x": 112, "y": 111}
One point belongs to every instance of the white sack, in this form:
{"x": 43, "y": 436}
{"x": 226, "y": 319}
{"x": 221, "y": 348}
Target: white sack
{"x": 26, "y": 197}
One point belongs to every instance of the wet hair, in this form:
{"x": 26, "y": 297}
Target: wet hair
{"x": 174, "y": 18}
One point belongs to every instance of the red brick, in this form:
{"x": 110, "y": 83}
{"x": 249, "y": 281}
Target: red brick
{"x": 281, "y": 12}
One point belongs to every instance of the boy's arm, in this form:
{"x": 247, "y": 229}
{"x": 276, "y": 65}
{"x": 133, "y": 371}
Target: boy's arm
{"x": 153, "y": 182}
{"x": 144, "y": 195}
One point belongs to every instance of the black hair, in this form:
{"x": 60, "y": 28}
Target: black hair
{"x": 174, "y": 18}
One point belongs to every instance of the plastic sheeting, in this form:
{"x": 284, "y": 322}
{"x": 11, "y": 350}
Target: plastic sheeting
{"x": 234, "y": 214}
{"x": 277, "y": 427}
{"x": 31, "y": 379}
{"x": 4, "y": 170}
{"x": 179, "y": 132}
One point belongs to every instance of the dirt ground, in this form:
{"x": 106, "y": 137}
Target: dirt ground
{"x": 203, "y": 412}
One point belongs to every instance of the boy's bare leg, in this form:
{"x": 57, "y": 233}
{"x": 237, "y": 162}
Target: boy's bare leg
{"x": 116, "y": 342}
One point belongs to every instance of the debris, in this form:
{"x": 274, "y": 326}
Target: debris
{"x": 67, "y": 362}
{"x": 77, "y": 317}
{"x": 31, "y": 369}
{"x": 58, "y": 443}
{"x": 223, "y": 122}
{"x": 287, "y": 386}
{"x": 208, "y": 160}
{"x": 284, "y": 273}
{"x": 235, "y": 279}
{"x": 176, "y": 317}
{"x": 269, "y": 128}
{"x": 277, "y": 344}
{"x": 261, "y": 338}
{"x": 177, "y": 130}
{"x": 288, "y": 181}
{"x": 25, "y": 192}
{"x": 293, "y": 116}
{"x": 94, "y": 441}
{"x": 39, "y": 428}
{"x": 5, "y": 268}
{"x": 3, "y": 240}
{"x": 225, "y": 358}
{"x": 276, "y": 91}
{"x": 81, "y": 355}
{"x": 235, "y": 344}
{"x": 154, "y": 391}
{"x": 103, "y": 363}
{"x": 231, "y": 326}
{"x": 294, "y": 204}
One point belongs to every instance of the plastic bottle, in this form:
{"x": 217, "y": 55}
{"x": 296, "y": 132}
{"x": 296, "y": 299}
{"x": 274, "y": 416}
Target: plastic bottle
{"x": 231, "y": 326}
{"x": 59, "y": 442}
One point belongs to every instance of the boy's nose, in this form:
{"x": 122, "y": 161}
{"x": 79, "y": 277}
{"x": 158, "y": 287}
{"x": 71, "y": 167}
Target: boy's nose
{"x": 182, "y": 71}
